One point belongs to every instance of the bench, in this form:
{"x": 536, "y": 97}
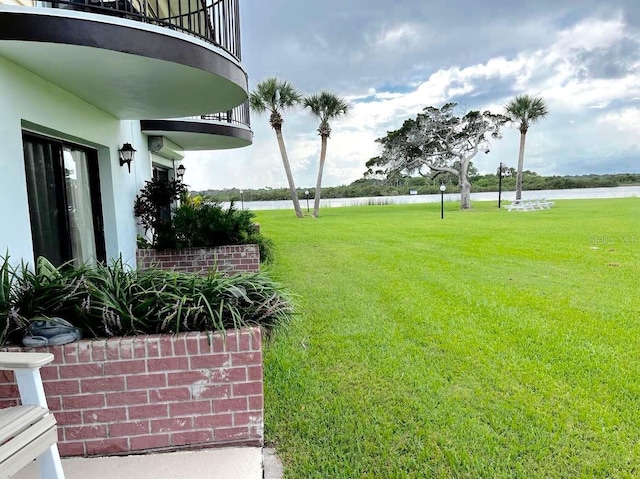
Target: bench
{"x": 518, "y": 205}
{"x": 28, "y": 432}
{"x": 521, "y": 205}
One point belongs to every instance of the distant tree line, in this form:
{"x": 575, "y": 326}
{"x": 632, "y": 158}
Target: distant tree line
{"x": 425, "y": 186}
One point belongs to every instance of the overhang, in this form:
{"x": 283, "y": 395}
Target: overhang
{"x": 128, "y": 68}
{"x": 199, "y": 135}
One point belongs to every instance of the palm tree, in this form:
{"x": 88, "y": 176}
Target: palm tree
{"x": 324, "y": 106}
{"x": 526, "y": 110}
{"x": 275, "y": 96}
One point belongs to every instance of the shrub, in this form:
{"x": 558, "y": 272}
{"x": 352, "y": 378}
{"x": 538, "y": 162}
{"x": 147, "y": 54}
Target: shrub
{"x": 209, "y": 225}
{"x": 153, "y": 207}
{"x": 115, "y": 300}
{"x": 194, "y": 224}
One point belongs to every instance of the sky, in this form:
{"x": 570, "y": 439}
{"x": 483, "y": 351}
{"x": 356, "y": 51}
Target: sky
{"x": 390, "y": 60}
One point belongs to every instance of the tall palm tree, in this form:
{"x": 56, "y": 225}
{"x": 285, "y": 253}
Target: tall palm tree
{"x": 526, "y": 110}
{"x": 276, "y": 96}
{"x": 324, "y": 106}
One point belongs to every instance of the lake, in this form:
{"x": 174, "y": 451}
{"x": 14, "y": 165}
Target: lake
{"x": 571, "y": 194}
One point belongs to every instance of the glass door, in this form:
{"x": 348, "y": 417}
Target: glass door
{"x": 64, "y": 200}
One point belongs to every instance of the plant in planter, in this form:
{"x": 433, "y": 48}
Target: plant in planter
{"x": 153, "y": 207}
{"x": 207, "y": 225}
{"x": 115, "y": 300}
{"x": 37, "y": 295}
{"x": 194, "y": 224}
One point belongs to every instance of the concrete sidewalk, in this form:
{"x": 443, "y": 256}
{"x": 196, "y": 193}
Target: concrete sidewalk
{"x": 224, "y": 463}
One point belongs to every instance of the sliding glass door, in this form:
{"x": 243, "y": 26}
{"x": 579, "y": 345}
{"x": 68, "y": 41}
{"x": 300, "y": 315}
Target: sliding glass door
{"x": 64, "y": 200}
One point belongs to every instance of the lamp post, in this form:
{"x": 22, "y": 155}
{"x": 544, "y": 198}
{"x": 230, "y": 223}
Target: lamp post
{"x": 306, "y": 195}
{"x": 442, "y": 189}
{"x": 500, "y": 184}
{"x": 242, "y": 198}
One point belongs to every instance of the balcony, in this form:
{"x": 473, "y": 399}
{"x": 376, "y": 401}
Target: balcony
{"x": 132, "y": 58}
{"x": 218, "y": 131}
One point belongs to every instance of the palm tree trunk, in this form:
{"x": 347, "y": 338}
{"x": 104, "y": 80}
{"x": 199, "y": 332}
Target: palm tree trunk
{"x": 523, "y": 136}
{"x": 287, "y": 169}
{"x": 323, "y": 156}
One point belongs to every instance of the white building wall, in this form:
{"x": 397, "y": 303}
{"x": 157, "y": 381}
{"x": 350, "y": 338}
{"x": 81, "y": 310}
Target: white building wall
{"x": 29, "y": 102}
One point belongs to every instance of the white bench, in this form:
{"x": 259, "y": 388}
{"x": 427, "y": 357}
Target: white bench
{"x": 518, "y": 205}
{"x": 28, "y": 432}
{"x": 521, "y": 205}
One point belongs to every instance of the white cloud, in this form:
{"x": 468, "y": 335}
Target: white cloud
{"x": 626, "y": 120}
{"x": 589, "y": 34}
{"x": 580, "y": 108}
{"x": 397, "y": 36}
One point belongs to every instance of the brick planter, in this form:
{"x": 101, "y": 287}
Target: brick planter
{"x": 146, "y": 393}
{"x": 232, "y": 259}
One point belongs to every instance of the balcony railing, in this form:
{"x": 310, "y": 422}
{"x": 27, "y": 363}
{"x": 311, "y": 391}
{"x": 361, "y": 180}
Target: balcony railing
{"x": 215, "y": 21}
{"x": 238, "y": 116}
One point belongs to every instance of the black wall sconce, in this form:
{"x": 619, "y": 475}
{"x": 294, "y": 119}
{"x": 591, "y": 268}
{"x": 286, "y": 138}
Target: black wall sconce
{"x": 126, "y": 155}
{"x": 180, "y": 172}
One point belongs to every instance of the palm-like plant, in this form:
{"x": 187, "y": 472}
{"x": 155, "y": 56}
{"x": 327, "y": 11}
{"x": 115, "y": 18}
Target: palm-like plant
{"x": 276, "y": 96}
{"x": 324, "y": 106}
{"x": 526, "y": 110}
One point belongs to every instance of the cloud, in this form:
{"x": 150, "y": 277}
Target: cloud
{"x": 398, "y": 36}
{"x": 585, "y": 63}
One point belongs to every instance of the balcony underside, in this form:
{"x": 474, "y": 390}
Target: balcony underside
{"x": 127, "y": 68}
{"x": 194, "y": 135}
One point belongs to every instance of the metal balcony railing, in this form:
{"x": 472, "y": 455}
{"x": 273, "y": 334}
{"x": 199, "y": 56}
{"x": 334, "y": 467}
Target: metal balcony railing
{"x": 238, "y": 116}
{"x": 215, "y": 21}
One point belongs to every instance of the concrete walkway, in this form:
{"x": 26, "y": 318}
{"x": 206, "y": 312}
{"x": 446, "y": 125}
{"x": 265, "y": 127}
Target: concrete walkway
{"x": 224, "y": 463}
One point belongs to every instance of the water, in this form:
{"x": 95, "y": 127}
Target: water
{"x": 571, "y": 194}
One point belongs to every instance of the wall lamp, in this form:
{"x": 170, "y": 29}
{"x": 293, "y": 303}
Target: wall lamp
{"x": 126, "y": 155}
{"x": 180, "y": 172}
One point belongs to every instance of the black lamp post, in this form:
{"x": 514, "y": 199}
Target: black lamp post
{"x": 442, "y": 189}
{"x": 306, "y": 195}
{"x": 242, "y": 198}
{"x": 500, "y": 184}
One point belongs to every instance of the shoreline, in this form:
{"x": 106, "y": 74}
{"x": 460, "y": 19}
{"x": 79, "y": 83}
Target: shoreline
{"x": 508, "y": 196}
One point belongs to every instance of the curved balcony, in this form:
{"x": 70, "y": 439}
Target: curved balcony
{"x": 218, "y": 131}
{"x": 132, "y": 58}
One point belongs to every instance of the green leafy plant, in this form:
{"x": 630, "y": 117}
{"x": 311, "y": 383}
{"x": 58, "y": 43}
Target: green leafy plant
{"x": 142, "y": 242}
{"x": 7, "y": 320}
{"x": 209, "y": 224}
{"x": 153, "y": 208}
{"x": 193, "y": 224}
{"x": 116, "y": 300}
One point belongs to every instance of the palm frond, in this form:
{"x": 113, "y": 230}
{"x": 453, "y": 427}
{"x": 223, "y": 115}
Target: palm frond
{"x": 526, "y": 109}
{"x": 273, "y": 95}
{"x": 326, "y": 106}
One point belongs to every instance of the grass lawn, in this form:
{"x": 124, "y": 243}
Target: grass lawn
{"x": 487, "y": 344}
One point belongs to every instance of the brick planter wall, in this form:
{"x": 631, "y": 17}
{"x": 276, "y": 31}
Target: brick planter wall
{"x": 243, "y": 258}
{"x": 160, "y": 392}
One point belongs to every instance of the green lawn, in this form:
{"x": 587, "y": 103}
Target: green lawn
{"x": 487, "y": 344}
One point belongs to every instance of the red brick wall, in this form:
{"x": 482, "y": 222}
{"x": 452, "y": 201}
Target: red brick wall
{"x": 244, "y": 258}
{"x": 143, "y": 393}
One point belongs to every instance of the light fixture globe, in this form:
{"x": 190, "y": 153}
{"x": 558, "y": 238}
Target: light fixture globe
{"x": 127, "y": 152}
{"x": 442, "y": 188}
{"x": 180, "y": 172}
